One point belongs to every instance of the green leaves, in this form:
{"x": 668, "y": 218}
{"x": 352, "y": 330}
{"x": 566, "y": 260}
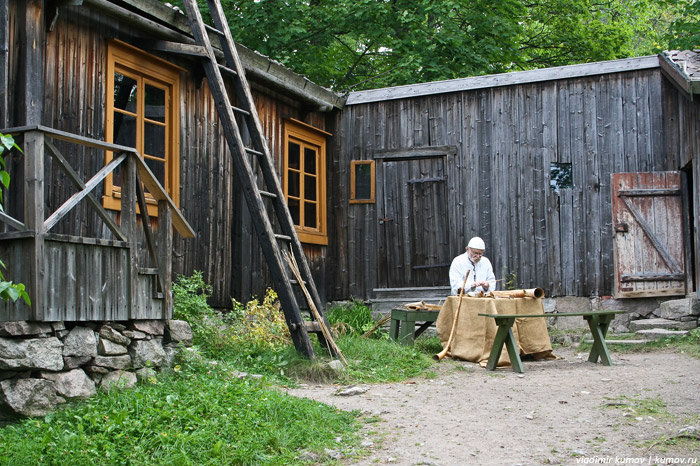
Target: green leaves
{"x": 362, "y": 44}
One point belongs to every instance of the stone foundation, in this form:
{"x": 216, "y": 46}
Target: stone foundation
{"x": 43, "y": 364}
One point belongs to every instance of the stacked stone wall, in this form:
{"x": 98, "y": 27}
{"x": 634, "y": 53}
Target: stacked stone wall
{"x": 43, "y": 364}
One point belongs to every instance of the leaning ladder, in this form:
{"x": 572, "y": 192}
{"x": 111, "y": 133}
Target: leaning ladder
{"x": 248, "y": 118}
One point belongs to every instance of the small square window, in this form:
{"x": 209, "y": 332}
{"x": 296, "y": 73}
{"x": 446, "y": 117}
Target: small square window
{"x": 362, "y": 182}
{"x": 560, "y": 176}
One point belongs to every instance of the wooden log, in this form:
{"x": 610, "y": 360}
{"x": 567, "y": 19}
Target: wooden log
{"x": 529, "y": 293}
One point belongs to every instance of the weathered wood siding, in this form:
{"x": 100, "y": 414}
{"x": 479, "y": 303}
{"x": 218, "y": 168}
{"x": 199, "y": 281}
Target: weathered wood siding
{"x": 224, "y": 248}
{"x": 498, "y": 183}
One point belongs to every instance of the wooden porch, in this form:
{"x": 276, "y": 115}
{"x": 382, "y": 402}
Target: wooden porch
{"x": 121, "y": 274}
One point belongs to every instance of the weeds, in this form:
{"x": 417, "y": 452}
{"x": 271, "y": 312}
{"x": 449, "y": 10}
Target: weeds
{"x": 353, "y": 318}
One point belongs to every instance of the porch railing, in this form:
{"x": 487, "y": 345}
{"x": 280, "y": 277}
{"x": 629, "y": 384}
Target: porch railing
{"x": 34, "y": 230}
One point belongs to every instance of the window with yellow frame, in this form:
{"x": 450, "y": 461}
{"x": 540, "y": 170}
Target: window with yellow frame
{"x": 143, "y": 112}
{"x": 362, "y": 182}
{"x": 304, "y": 179}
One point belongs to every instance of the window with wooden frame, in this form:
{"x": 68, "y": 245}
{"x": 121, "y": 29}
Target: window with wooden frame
{"x": 143, "y": 112}
{"x": 304, "y": 179}
{"x": 362, "y": 182}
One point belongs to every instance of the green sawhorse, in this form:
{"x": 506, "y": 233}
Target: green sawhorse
{"x": 403, "y": 324}
{"x": 598, "y": 322}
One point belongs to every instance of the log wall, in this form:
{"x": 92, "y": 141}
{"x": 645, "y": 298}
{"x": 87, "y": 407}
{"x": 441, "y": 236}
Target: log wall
{"x": 224, "y": 248}
{"x": 498, "y": 181}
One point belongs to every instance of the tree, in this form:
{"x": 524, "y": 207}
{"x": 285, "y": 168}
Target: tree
{"x": 360, "y": 44}
{"x": 685, "y": 30}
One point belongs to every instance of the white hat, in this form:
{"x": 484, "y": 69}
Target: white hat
{"x": 476, "y": 243}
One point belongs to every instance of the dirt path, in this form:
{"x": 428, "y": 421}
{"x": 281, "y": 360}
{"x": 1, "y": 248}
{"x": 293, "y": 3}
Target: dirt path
{"x": 566, "y": 411}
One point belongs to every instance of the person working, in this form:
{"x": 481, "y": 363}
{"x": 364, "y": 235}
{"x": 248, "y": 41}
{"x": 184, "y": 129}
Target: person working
{"x": 481, "y": 277}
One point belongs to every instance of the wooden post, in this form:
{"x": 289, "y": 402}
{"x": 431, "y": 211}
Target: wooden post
{"x": 4, "y": 59}
{"x": 31, "y": 77}
{"x": 165, "y": 257}
{"x": 128, "y": 225}
{"x": 34, "y": 218}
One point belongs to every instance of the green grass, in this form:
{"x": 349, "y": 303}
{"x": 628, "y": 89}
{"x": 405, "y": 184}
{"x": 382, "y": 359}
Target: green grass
{"x": 198, "y": 416}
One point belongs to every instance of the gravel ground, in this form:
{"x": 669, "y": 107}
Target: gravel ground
{"x": 564, "y": 411}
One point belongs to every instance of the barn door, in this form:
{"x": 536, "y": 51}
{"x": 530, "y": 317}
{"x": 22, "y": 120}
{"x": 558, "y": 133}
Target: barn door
{"x": 649, "y": 256}
{"x": 412, "y": 223}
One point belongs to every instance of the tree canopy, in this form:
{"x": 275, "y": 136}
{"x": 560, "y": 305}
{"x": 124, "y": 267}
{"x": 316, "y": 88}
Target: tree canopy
{"x": 361, "y": 44}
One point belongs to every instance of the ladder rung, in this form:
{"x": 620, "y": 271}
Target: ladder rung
{"x": 240, "y": 110}
{"x": 312, "y": 326}
{"x": 268, "y": 194}
{"x": 227, "y": 70}
{"x": 214, "y": 30}
{"x": 283, "y": 237}
{"x": 148, "y": 271}
{"x": 294, "y": 282}
{"x": 253, "y": 151}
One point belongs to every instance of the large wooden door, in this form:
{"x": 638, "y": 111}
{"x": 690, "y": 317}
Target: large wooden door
{"x": 412, "y": 223}
{"x": 647, "y": 223}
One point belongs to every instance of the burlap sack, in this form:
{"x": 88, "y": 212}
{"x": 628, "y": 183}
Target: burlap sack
{"x": 475, "y": 334}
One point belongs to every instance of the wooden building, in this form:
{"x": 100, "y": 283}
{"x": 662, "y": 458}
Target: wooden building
{"x": 385, "y": 188}
{"x": 525, "y": 161}
{"x": 97, "y": 77}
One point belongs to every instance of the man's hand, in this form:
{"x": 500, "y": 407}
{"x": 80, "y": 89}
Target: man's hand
{"x": 484, "y": 285}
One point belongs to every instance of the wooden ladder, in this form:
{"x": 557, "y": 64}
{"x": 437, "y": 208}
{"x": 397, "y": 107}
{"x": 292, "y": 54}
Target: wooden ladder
{"x": 272, "y": 193}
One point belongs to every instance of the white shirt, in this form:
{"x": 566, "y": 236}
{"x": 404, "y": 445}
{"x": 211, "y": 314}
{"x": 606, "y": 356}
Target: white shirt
{"x": 480, "y": 271}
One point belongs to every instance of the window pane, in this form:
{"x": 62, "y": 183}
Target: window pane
{"x": 155, "y": 103}
{"x": 158, "y": 169}
{"x": 293, "y": 183}
{"x": 293, "y": 155}
{"x": 560, "y": 176}
{"x": 124, "y": 130}
{"x": 310, "y": 215}
{"x": 294, "y": 210}
{"x": 154, "y": 140}
{"x": 363, "y": 181}
{"x": 309, "y": 160}
{"x": 124, "y": 92}
{"x": 310, "y": 188}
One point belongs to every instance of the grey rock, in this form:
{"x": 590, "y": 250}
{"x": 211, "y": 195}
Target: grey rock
{"x": 147, "y": 353}
{"x": 134, "y": 334}
{"x": 23, "y": 328}
{"x": 113, "y": 362}
{"x": 674, "y": 309}
{"x": 109, "y": 348}
{"x": 642, "y": 324}
{"x": 145, "y": 374}
{"x": 118, "y": 379}
{"x": 170, "y": 355}
{"x": 33, "y": 353}
{"x": 653, "y": 333}
{"x": 72, "y": 362}
{"x": 117, "y": 326}
{"x": 179, "y": 331}
{"x": 96, "y": 370}
{"x": 351, "y": 391}
{"x": 111, "y": 334}
{"x": 28, "y": 397}
{"x": 72, "y": 384}
{"x": 152, "y": 327}
{"x": 336, "y": 365}
{"x": 58, "y": 326}
{"x": 81, "y": 341}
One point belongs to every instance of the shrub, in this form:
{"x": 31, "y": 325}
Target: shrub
{"x": 260, "y": 325}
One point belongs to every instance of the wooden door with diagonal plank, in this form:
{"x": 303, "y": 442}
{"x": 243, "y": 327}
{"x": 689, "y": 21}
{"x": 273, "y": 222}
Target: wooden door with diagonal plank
{"x": 648, "y": 234}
